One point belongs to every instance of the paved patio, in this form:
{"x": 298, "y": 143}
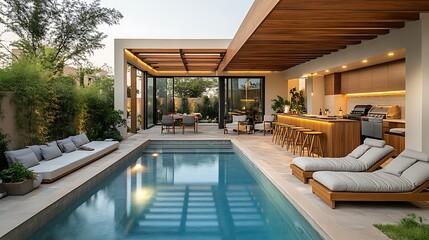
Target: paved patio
{"x": 350, "y": 220}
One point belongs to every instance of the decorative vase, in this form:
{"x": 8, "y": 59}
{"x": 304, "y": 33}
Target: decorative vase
{"x": 19, "y": 188}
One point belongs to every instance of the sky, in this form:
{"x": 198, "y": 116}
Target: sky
{"x": 169, "y": 19}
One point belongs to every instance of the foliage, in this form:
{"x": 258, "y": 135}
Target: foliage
{"x": 54, "y": 32}
{"x": 16, "y": 173}
{"x": 99, "y": 118}
{"x": 410, "y": 227}
{"x": 192, "y": 87}
{"x": 184, "y": 105}
{"x": 30, "y": 87}
{"x": 209, "y": 108}
{"x": 279, "y": 104}
{"x": 297, "y": 100}
{"x": 3, "y": 148}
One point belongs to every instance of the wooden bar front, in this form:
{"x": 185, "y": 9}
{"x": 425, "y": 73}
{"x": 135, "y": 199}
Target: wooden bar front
{"x": 340, "y": 136}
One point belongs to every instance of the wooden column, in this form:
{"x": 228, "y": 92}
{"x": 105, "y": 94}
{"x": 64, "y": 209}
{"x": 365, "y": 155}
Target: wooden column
{"x": 142, "y": 99}
{"x": 133, "y": 100}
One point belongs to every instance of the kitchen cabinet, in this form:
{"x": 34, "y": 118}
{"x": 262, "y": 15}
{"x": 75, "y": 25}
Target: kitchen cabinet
{"x": 365, "y": 80}
{"x": 333, "y": 84}
{"x": 396, "y": 76}
{"x": 379, "y": 77}
{"x": 344, "y": 83}
{"x": 353, "y": 81}
{"x": 395, "y": 140}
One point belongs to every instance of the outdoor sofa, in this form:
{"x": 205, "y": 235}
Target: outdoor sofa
{"x": 366, "y": 157}
{"x": 406, "y": 178}
{"x": 59, "y": 158}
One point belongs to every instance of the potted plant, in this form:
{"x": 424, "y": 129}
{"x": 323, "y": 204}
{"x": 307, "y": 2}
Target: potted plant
{"x": 297, "y": 101}
{"x": 17, "y": 180}
{"x": 279, "y": 104}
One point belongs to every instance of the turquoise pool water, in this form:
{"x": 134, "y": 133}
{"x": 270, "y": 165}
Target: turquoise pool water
{"x": 186, "y": 192}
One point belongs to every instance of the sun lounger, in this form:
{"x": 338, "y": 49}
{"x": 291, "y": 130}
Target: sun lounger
{"x": 366, "y": 157}
{"x": 406, "y": 178}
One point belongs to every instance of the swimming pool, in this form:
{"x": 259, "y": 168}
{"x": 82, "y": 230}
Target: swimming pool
{"x": 207, "y": 190}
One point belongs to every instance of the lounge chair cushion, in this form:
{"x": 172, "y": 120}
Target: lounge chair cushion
{"x": 359, "y": 151}
{"x": 416, "y": 155}
{"x": 374, "y": 154}
{"x": 399, "y": 165}
{"x": 37, "y": 151}
{"x": 51, "y": 152}
{"x": 377, "y": 181}
{"x": 28, "y": 160}
{"x": 417, "y": 174}
{"x": 11, "y": 155}
{"x": 374, "y": 142}
{"x": 329, "y": 164}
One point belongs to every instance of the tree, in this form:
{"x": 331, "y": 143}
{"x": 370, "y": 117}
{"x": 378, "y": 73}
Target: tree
{"x": 53, "y": 32}
{"x": 192, "y": 87}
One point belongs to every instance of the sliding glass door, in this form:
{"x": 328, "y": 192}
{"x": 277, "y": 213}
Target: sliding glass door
{"x": 149, "y": 108}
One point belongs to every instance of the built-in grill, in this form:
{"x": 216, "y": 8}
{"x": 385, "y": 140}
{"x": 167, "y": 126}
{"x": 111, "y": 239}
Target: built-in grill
{"x": 372, "y": 124}
{"x": 359, "y": 111}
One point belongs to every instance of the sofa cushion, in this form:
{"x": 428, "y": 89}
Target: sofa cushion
{"x": 399, "y": 165}
{"x": 61, "y": 143}
{"x": 359, "y": 151}
{"x": 28, "y": 160}
{"x": 374, "y": 142}
{"x": 417, "y": 174}
{"x": 84, "y": 138}
{"x": 53, "y": 143}
{"x": 51, "y": 152}
{"x": 415, "y": 154}
{"x": 69, "y": 147}
{"x": 11, "y": 155}
{"x": 77, "y": 141}
{"x": 37, "y": 151}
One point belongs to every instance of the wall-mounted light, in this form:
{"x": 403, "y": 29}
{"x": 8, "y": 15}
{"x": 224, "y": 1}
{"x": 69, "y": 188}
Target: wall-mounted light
{"x": 344, "y": 66}
{"x": 390, "y": 54}
{"x": 364, "y": 61}
{"x": 327, "y": 70}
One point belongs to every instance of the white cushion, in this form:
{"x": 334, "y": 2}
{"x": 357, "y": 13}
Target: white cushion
{"x": 359, "y": 151}
{"x": 378, "y": 181}
{"x": 28, "y": 160}
{"x": 269, "y": 118}
{"x": 399, "y": 165}
{"x": 415, "y": 154}
{"x": 374, "y": 142}
{"x": 236, "y": 118}
{"x": 329, "y": 164}
{"x": 375, "y": 154}
{"x": 417, "y": 174}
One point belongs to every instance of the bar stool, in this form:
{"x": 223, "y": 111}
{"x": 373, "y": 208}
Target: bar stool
{"x": 282, "y": 129}
{"x": 292, "y": 135}
{"x": 275, "y": 131}
{"x": 299, "y": 140}
{"x": 286, "y": 134}
{"x": 312, "y": 141}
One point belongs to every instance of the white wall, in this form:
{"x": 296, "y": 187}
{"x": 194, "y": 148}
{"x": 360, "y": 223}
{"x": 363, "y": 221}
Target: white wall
{"x": 275, "y": 85}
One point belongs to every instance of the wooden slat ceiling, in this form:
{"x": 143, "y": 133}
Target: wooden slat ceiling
{"x": 181, "y": 59}
{"x": 297, "y": 31}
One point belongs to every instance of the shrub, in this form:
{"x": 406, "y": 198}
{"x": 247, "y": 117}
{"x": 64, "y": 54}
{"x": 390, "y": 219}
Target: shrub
{"x": 3, "y": 148}
{"x": 16, "y": 173}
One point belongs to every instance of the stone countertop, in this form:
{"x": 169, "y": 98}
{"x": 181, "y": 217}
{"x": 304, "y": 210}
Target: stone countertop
{"x": 317, "y": 118}
{"x": 394, "y": 120}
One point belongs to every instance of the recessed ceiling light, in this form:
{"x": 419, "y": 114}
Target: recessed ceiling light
{"x": 364, "y": 61}
{"x": 390, "y": 54}
{"x": 344, "y": 66}
{"x": 326, "y": 70}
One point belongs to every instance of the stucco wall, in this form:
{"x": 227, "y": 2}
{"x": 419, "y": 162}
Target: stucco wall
{"x": 275, "y": 85}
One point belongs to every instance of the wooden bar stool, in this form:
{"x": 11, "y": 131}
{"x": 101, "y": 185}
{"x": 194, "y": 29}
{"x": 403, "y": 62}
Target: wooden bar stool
{"x": 299, "y": 140}
{"x": 282, "y": 131}
{"x": 286, "y": 134}
{"x": 292, "y": 135}
{"x": 312, "y": 141}
{"x": 275, "y": 131}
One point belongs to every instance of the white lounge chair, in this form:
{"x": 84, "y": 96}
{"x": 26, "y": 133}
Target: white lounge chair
{"x": 265, "y": 126}
{"x": 366, "y": 157}
{"x": 237, "y": 124}
{"x": 406, "y": 178}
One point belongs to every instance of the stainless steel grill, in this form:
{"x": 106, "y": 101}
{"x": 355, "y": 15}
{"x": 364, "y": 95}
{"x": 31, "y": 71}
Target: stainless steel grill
{"x": 372, "y": 125}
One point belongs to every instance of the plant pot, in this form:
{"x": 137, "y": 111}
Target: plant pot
{"x": 37, "y": 181}
{"x": 20, "y": 188}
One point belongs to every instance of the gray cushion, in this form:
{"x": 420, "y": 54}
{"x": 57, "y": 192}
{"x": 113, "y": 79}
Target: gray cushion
{"x": 415, "y": 154}
{"x": 36, "y": 150}
{"x": 399, "y": 165}
{"x": 84, "y": 138}
{"x": 417, "y": 174}
{"x": 11, "y": 155}
{"x": 359, "y": 151}
{"x": 374, "y": 142}
{"x": 28, "y": 160}
{"x": 375, "y": 154}
{"x": 62, "y": 142}
{"x": 53, "y": 143}
{"x": 69, "y": 147}
{"x": 77, "y": 141}
{"x": 348, "y": 164}
{"x": 51, "y": 152}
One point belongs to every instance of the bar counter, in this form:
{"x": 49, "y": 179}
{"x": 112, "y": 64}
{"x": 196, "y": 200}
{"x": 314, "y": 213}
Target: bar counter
{"x": 340, "y": 136}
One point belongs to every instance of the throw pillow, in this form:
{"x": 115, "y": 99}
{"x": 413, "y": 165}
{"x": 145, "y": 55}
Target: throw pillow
{"x": 11, "y": 155}
{"x": 28, "y": 160}
{"x": 51, "y": 152}
{"x": 69, "y": 147}
{"x": 77, "y": 141}
{"x": 36, "y": 150}
{"x": 62, "y": 142}
{"x": 84, "y": 138}
{"x": 359, "y": 151}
